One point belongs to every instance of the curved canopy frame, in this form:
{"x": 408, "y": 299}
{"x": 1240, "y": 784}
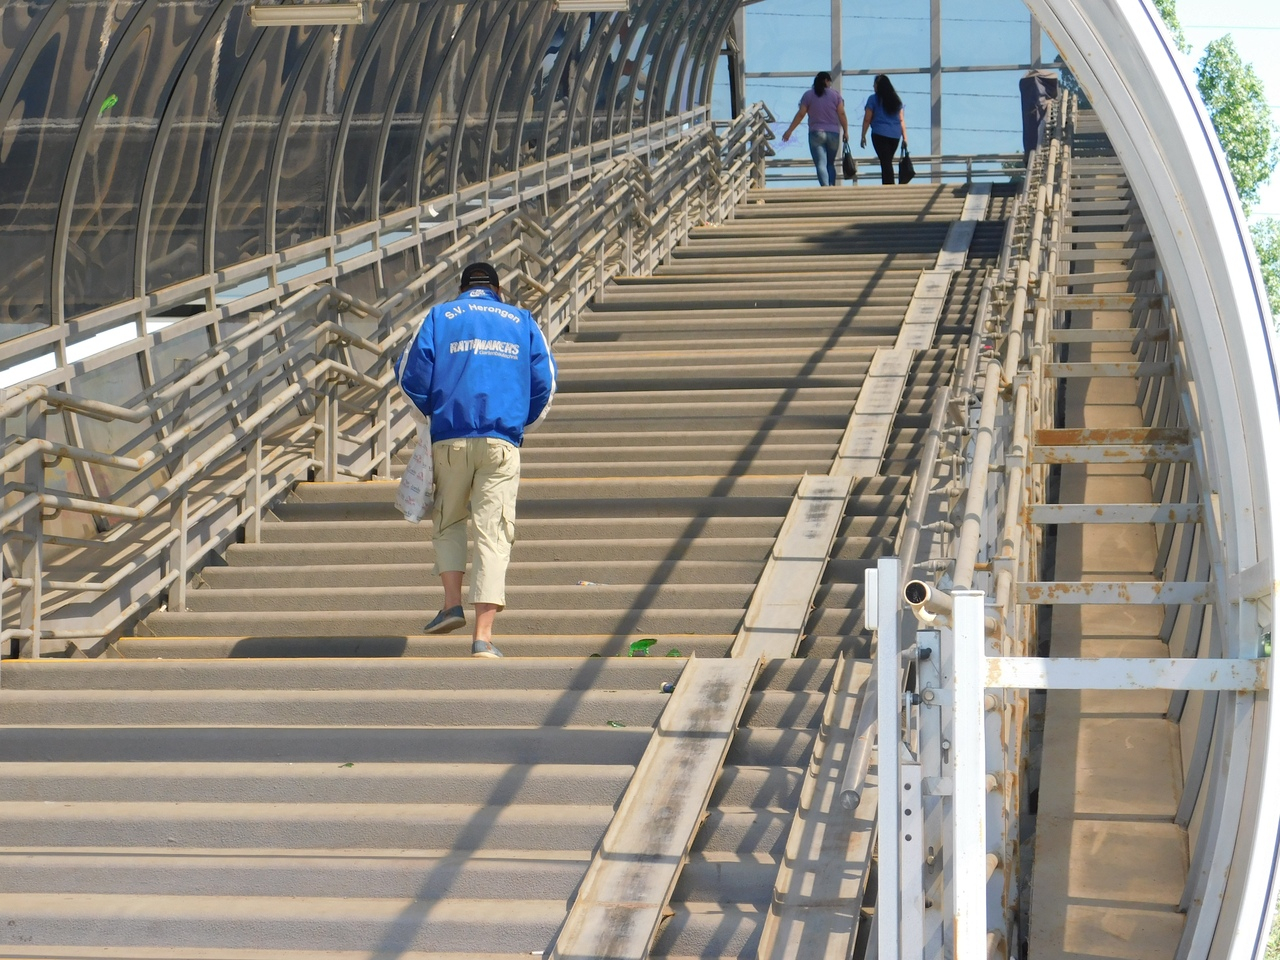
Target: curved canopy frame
{"x": 146, "y": 143}
{"x": 1147, "y": 101}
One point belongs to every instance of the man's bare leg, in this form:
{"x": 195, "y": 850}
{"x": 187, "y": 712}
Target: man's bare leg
{"x": 452, "y": 581}
{"x": 484, "y": 621}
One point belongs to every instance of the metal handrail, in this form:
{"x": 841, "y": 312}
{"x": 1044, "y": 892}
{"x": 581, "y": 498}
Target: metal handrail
{"x": 283, "y": 379}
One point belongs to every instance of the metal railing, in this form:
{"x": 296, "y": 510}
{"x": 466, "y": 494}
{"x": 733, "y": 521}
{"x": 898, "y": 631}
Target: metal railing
{"x": 307, "y": 389}
{"x": 973, "y": 550}
{"x": 939, "y": 168}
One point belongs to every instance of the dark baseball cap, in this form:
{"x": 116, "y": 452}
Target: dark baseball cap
{"x": 476, "y": 274}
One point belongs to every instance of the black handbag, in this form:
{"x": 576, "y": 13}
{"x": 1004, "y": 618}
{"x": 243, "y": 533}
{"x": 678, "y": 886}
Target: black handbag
{"x": 848, "y": 168}
{"x": 906, "y": 169}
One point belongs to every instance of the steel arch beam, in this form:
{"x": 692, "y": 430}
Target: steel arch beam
{"x": 358, "y": 77}
{"x": 1152, "y": 112}
{"x": 526, "y": 81}
{"x": 151, "y": 177}
{"x": 415, "y": 54}
{"x": 492, "y": 43}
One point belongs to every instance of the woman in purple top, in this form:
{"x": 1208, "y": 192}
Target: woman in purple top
{"x": 825, "y": 109}
{"x": 887, "y": 122}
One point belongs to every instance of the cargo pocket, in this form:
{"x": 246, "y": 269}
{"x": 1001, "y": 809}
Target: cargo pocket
{"x": 509, "y": 524}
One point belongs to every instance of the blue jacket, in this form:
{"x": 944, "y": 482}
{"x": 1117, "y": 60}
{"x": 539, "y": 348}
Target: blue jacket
{"x": 479, "y": 367}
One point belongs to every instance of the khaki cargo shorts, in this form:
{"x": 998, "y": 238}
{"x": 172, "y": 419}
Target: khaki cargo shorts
{"x": 476, "y": 478}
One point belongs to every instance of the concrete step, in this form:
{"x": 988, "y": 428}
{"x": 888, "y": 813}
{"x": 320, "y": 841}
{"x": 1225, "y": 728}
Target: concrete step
{"x": 414, "y": 874}
{"x": 351, "y": 709}
{"x": 471, "y": 926}
{"x": 261, "y": 782}
{"x": 634, "y": 621}
{"x": 336, "y": 745}
{"x": 564, "y": 573}
{"x": 433, "y": 649}
{"x": 452, "y": 826}
{"x": 386, "y": 600}
{"x": 715, "y": 546}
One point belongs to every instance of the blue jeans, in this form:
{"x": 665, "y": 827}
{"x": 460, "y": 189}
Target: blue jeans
{"x": 824, "y": 145}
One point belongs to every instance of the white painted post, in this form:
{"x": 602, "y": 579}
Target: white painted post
{"x": 911, "y": 864}
{"x": 969, "y": 830}
{"x": 888, "y": 697}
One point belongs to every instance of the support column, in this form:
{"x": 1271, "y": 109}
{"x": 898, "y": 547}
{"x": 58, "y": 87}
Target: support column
{"x": 935, "y": 82}
{"x": 837, "y": 43}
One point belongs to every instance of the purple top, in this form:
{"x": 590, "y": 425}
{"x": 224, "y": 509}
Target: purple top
{"x": 823, "y": 110}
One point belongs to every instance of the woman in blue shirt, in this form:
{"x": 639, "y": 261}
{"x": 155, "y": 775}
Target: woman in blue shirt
{"x": 827, "y": 121}
{"x": 888, "y": 124}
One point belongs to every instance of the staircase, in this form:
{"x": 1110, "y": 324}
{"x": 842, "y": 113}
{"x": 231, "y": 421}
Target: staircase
{"x": 288, "y": 768}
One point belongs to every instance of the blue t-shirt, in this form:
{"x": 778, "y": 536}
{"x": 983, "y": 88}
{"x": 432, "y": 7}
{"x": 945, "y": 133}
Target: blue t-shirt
{"x": 881, "y": 122}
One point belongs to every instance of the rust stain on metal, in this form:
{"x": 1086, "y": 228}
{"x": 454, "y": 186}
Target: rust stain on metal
{"x": 1071, "y": 436}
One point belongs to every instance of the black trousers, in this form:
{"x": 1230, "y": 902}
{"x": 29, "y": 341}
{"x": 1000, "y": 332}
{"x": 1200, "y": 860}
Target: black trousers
{"x": 885, "y": 148}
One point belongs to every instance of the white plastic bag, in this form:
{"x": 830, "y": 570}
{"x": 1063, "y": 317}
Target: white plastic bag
{"x": 414, "y": 494}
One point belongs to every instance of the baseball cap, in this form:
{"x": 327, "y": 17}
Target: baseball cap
{"x": 478, "y": 273}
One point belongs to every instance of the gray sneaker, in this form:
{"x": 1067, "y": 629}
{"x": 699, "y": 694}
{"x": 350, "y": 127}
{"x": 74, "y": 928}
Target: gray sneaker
{"x": 485, "y": 650}
{"x": 446, "y": 621}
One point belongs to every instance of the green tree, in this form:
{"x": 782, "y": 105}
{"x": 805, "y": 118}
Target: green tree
{"x": 1238, "y": 107}
{"x": 1168, "y": 10}
{"x": 1266, "y": 240}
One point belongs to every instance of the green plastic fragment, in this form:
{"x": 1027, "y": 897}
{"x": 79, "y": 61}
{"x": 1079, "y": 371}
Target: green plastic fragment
{"x": 108, "y": 103}
{"x": 674, "y": 652}
{"x": 596, "y": 655}
{"x": 640, "y": 648}
{"x": 615, "y": 723}
{"x": 345, "y": 765}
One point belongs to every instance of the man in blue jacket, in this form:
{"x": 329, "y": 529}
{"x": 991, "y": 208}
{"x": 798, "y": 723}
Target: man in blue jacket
{"x": 482, "y": 371}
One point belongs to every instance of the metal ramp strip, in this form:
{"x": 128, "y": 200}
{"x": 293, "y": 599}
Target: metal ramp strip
{"x": 775, "y": 618}
{"x": 616, "y": 912}
{"x": 819, "y": 888}
{"x": 828, "y": 856}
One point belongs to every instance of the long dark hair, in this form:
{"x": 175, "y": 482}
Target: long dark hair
{"x": 820, "y": 83}
{"x": 889, "y": 98}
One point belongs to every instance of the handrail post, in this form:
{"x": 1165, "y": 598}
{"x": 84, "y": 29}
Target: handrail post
{"x": 888, "y": 700}
{"x": 179, "y": 516}
{"x": 969, "y": 773}
{"x": 31, "y": 564}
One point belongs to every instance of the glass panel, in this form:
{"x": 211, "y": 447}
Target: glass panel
{"x": 61, "y": 476}
{"x": 175, "y": 242}
{"x": 675, "y": 37}
{"x": 771, "y": 39}
{"x": 104, "y": 219}
{"x": 882, "y": 41}
{"x": 605, "y": 61}
{"x": 710, "y": 66}
{"x": 519, "y": 96}
{"x": 981, "y": 113}
{"x": 985, "y": 32}
{"x": 121, "y": 383}
{"x": 301, "y": 212}
{"x": 36, "y": 141}
{"x": 497, "y": 61}
{"x": 446, "y": 98}
{"x": 398, "y": 174}
{"x": 399, "y": 41}
{"x": 622, "y": 82}
{"x": 564, "y": 78}
{"x": 241, "y": 210}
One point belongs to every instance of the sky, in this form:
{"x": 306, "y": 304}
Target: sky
{"x": 1255, "y": 27}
